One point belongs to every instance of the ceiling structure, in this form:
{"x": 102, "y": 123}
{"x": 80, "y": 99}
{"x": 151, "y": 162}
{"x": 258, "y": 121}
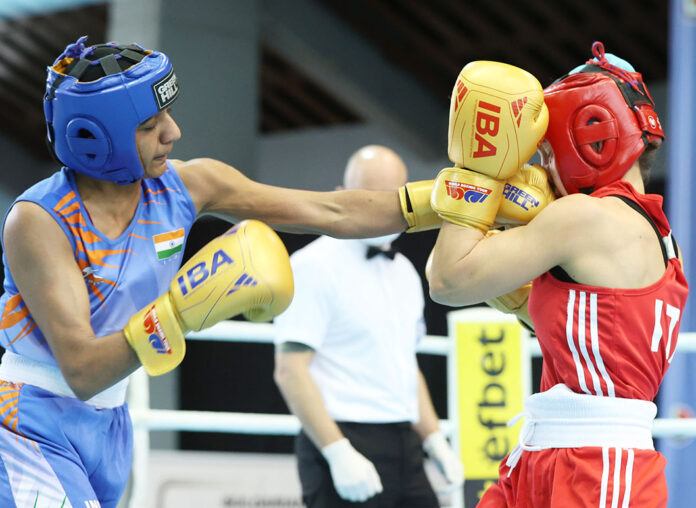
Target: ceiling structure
{"x": 428, "y": 42}
{"x": 434, "y": 39}
{"x": 27, "y": 45}
{"x": 289, "y": 99}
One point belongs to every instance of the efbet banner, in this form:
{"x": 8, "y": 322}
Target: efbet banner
{"x": 491, "y": 374}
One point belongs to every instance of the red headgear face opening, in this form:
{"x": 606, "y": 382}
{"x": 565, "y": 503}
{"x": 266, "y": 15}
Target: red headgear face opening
{"x": 601, "y": 119}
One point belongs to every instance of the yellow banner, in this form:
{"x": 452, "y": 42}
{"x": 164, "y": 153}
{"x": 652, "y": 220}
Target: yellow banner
{"x": 491, "y": 390}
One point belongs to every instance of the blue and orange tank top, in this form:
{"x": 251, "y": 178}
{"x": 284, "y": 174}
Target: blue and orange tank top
{"x": 121, "y": 275}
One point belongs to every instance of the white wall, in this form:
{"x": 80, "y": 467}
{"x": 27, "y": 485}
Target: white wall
{"x": 315, "y": 158}
{"x": 20, "y": 169}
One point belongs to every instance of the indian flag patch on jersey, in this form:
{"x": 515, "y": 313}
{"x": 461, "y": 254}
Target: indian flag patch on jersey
{"x": 168, "y": 244}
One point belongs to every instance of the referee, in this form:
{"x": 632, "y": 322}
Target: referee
{"x": 346, "y": 365}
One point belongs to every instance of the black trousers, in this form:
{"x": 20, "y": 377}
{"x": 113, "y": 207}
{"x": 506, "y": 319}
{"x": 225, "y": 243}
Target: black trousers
{"x": 396, "y": 451}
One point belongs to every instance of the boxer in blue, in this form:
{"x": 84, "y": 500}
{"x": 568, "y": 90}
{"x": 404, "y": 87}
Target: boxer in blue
{"x": 93, "y": 288}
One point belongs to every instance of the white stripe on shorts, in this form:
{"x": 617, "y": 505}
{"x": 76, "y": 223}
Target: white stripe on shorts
{"x": 629, "y": 479}
{"x": 605, "y": 478}
{"x": 617, "y": 478}
{"x": 32, "y": 480}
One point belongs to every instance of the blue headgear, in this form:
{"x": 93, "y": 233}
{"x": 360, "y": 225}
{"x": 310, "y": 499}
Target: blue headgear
{"x": 91, "y": 124}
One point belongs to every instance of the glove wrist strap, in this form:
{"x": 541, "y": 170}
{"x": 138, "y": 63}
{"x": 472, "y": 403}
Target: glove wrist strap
{"x": 467, "y": 198}
{"x": 156, "y": 336}
{"x": 414, "y": 198}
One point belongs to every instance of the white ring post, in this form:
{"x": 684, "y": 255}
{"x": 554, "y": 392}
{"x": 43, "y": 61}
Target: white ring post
{"x": 457, "y": 497}
{"x": 139, "y": 400}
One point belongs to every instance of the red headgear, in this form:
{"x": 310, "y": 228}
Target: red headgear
{"x": 601, "y": 119}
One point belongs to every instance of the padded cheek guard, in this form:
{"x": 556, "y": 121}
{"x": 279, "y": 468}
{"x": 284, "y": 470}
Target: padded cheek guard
{"x": 91, "y": 125}
{"x": 600, "y": 122}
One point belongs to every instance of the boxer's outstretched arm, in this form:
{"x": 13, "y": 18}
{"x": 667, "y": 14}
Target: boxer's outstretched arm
{"x": 216, "y": 187}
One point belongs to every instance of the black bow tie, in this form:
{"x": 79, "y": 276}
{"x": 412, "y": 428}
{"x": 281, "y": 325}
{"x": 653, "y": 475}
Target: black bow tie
{"x": 376, "y": 251}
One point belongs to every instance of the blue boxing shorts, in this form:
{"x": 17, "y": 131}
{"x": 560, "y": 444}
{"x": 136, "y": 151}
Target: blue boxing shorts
{"x": 61, "y": 452}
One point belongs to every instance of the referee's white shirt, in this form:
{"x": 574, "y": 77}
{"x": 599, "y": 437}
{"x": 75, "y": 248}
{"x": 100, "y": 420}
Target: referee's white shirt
{"x": 364, "y": 318}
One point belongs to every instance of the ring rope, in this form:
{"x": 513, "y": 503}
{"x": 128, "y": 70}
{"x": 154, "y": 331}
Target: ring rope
{"x": 146, "y": 419}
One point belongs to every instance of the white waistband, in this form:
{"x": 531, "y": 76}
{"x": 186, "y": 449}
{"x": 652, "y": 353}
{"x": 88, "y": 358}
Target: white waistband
{"x": 15, "y": 368}
{"x": 561, "y": 418}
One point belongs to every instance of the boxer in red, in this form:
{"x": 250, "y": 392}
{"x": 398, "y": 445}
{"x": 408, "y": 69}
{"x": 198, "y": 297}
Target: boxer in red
{"x": 608, "y": 288}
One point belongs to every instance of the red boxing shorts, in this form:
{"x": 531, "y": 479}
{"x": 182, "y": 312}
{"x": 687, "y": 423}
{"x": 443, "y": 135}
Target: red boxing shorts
{"x": 587, "y": 477}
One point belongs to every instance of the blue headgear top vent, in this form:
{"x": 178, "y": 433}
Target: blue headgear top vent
{"x": 95, "y": 99}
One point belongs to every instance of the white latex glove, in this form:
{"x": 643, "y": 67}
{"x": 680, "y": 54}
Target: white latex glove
{"x": 439, "y": 450}
{"x": 355, "y": 478}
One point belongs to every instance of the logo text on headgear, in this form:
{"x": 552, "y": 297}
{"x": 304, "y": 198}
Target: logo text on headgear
{"x": 166, "y": 90}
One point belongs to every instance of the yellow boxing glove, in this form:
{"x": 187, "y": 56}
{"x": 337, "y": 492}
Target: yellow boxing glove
{"x": 525, "y": 194}
{"x": 497, "y": 118}
{"x": 246, "y": 270}
{"x": 415, "y": 205}
{"x": 514, "y": 302}
{"x": 466, "y": 197}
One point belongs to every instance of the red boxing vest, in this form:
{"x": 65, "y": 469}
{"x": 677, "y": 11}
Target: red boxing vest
{"x": 606, "y": 341}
